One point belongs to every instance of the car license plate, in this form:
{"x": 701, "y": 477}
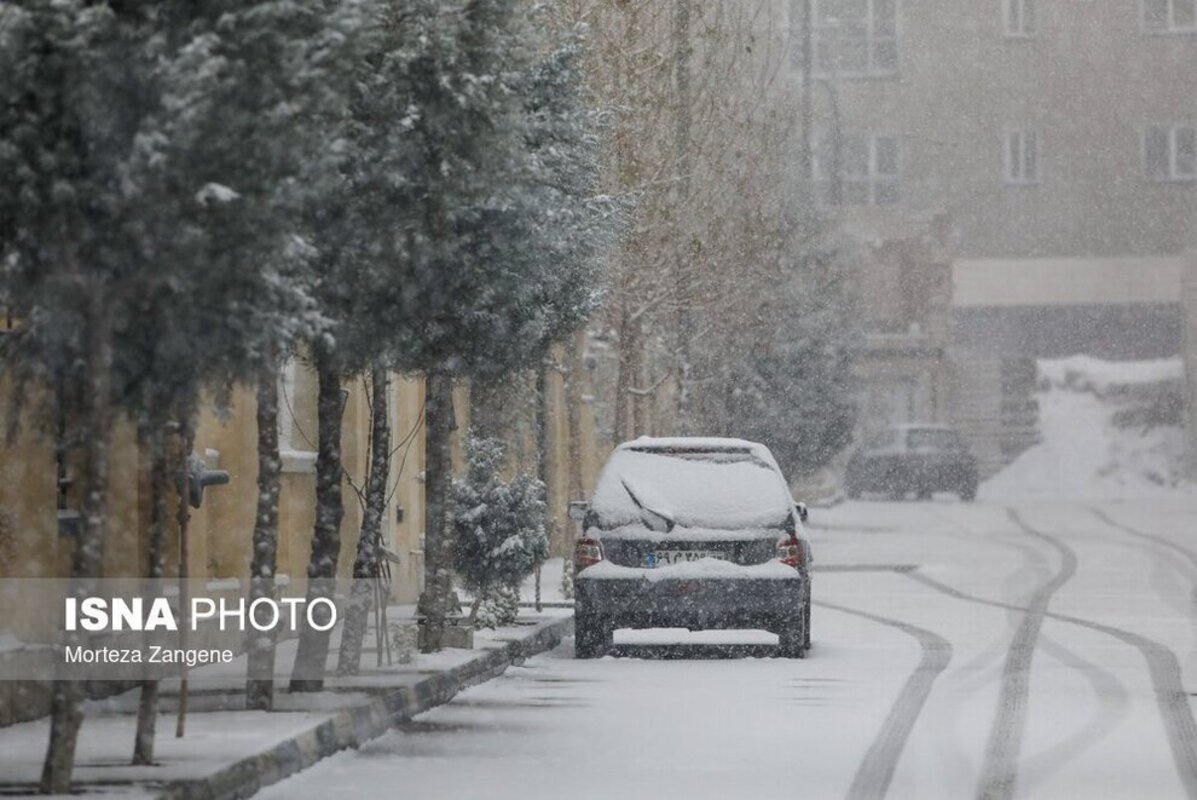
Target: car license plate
{"x": 662, "y": 558}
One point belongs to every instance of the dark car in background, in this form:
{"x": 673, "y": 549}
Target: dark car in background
{"x": 691, "y": 533}
{"x": 922, "y": 459}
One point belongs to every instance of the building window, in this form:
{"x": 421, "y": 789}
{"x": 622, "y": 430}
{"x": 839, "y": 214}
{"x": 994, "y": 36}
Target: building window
{"x": 1170, "y": 152}
{"x": 297, "y": 413}
{"x": 1170, "y": 16}
{"x": 1020, "y": 17}
{"x": 1022, "y": 156}
{"x": 867, "y": 172}
{"x": 855, "y": 38}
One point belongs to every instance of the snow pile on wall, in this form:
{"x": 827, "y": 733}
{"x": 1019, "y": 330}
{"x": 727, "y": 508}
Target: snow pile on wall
{"x": 1107, "y": 429}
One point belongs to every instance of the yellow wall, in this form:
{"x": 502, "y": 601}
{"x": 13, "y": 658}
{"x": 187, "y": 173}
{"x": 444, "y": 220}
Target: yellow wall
{"x": 221, "y": 531}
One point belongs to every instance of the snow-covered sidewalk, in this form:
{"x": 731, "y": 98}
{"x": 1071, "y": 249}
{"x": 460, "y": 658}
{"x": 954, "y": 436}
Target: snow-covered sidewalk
{"x": 231, "y": 752}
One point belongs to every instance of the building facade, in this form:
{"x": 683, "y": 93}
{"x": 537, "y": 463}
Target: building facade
{"x": 1022, "y": 137}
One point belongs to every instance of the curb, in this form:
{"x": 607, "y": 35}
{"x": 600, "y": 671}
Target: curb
{"x": 354, "y": 726}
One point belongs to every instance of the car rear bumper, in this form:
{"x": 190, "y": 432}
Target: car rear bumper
{"x": 696, "y": 604}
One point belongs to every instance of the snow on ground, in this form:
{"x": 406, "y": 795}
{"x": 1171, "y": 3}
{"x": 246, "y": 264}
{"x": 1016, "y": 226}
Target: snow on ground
{"x": 636, "y": 728}
{"x": 696, "y": 724}
{"x": 920, "y": 656}
{"x": 1084, "y": 452}
{"x": 910, "y": 673}
{"x": 218, "y": 731}
{"x": 213, "y": 741}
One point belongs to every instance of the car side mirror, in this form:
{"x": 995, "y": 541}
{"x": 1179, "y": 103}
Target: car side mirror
{"x": 803, "y": 513}
{"x": 578, "y": 509}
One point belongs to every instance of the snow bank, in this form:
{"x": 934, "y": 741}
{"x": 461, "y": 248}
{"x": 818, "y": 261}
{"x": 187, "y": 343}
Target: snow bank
{"x": 1085, "y": 373}
{"x": 1106, "y": 430}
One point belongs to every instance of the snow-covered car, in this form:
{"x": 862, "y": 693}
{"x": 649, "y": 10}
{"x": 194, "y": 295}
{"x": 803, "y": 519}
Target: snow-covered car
{"x": 913, "y": 458}
{"x": 691, "y": 533}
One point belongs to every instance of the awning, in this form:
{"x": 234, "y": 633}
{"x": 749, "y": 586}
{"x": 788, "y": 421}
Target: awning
{"x": 1066, "y": 281}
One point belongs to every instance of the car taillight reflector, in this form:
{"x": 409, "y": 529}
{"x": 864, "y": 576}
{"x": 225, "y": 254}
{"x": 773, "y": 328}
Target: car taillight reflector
{"x": 789, "y": 550}
{"x": 587, "y": 551}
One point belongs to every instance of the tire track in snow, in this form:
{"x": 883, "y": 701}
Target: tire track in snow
{"x": 876, "y": 770}
{"x": 1113, "y": 703}
{"x": 1034, "y": 569}
{"x": 999, "y": 771}
{"x": 1113, "y": 695}
{"x": 1161, "y": 541}
{"x": 984, "y": 670}
{"x": 1163, "y": 669}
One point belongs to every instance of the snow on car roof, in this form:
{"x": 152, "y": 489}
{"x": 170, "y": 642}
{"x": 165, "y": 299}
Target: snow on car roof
{"x": 672, "y": 481}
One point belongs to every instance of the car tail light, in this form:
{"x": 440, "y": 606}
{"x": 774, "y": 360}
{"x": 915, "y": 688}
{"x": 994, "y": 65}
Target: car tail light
{"x": 789, "y": 550}
{"x": 587, "y": 551}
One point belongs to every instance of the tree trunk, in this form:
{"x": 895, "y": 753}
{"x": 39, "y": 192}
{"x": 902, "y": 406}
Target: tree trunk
{"x": 259, "y": 645}
{"x": 573, "y": 412}
{"x": 683, "y": 271}
{"x": 187, "y": 435}
{"x": 66, "y": 714}
{"x": 625, "y": 381}
{"x": 365, "y": 565}
{"x": 642, "y": 398}
{"x": 308, "y": 673}
{"x": 437, "y": 600}
{"x": 479, "y": 598}
{"x": 542, "y": 456}
{"x": 147, "y": 708}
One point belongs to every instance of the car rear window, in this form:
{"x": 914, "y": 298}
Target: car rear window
{"x": 716, "y": 488}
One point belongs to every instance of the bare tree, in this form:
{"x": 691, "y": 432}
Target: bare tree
{"x": 707, "y": 144}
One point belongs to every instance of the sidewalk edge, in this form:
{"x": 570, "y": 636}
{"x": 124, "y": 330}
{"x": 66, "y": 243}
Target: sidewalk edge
{"x": 351, "y": 727}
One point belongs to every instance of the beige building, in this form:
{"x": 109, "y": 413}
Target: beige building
{"x": 1019, "y": 136}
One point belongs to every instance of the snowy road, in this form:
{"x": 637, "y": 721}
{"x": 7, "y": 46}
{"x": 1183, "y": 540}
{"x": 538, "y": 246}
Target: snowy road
{"x": 1041, "y": 650}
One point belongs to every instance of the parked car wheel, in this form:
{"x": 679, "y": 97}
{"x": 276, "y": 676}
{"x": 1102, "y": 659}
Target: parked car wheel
{"x": 592, "y": 636}
{"x": 791, "y": 636}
